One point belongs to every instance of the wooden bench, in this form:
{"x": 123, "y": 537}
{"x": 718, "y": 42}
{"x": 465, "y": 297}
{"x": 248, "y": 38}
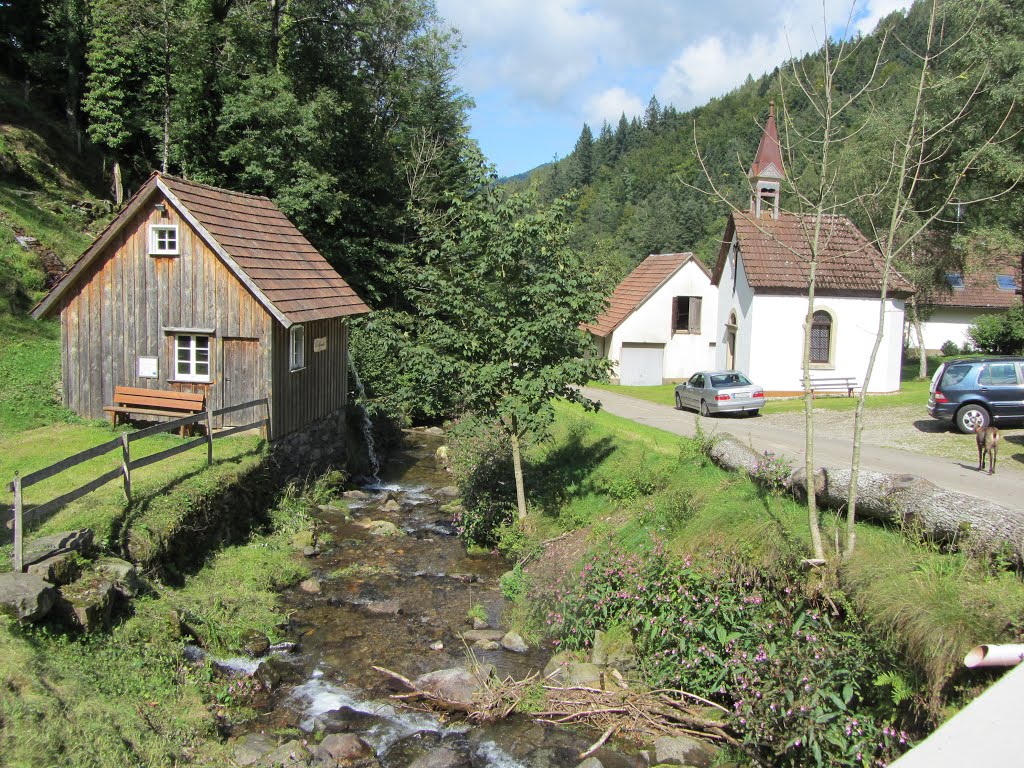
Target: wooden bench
{"x": 834, "y": 384}
{"x": 154, "y": 402}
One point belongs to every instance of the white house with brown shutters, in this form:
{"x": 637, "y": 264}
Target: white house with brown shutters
{"x": 660, "y": 322}
{"x": 197, "y": 289}
{"x": 762, "y": 278}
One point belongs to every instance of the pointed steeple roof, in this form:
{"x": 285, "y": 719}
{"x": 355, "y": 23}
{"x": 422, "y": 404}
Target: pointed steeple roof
{"x": 768, "y": 160}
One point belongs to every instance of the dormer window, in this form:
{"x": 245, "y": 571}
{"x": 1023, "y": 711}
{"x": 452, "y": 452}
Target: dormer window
{"x": 955, "y": 280}
{"x": 163, "y": 240}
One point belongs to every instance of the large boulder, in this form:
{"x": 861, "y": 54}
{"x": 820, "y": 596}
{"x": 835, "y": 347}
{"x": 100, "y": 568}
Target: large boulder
{"x": 70, "y": 541}
{"x": 441, "y": 758}
{"x": 458, "y": 684}
{"x": 684, "y": 750}
{"x": 26, "y": 596}
{"x": 60, "y": 568}
{"x": 120, "y": 573}
{"x": 291, "y": 754}
{"x": 343, "y": 748}
{"x": 86, "y": 604}
{"x": 251, "y": 747}
{"x": 472, "y": 635}
{"x": 513, "y": 641}
{"x": 615, "y": 650}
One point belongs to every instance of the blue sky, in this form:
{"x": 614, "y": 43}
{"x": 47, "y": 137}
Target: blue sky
{"x": 539, "y": 69}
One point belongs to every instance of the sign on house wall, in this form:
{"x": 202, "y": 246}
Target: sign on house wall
{"x": 320, "y": 344}
{"x": 147, "y": 368}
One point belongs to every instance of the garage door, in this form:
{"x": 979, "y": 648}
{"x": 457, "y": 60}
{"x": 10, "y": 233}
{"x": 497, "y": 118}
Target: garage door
{"x": 640, "y": 364}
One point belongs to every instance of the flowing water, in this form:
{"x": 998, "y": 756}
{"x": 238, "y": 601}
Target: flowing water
{"x": 400, "y": 602}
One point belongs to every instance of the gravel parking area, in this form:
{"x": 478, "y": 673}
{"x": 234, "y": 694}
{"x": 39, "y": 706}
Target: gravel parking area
{"x": 910, "y": 428}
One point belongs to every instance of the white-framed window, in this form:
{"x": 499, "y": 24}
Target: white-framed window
{"x": 192, "y": 358}
{"x": 163, "y": 240}
{"x": 297, "y": 348}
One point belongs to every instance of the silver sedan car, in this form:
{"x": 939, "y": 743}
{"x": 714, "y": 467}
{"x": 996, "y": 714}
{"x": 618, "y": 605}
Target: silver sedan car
{"x": 720, "y": 392}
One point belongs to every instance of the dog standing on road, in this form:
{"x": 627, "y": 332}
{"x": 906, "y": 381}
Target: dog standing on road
{"x": 988, "y": 445}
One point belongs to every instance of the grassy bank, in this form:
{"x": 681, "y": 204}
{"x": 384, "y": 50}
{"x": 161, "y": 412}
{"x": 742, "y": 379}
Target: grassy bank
{"x": 130, "y": 697}
{"x": 634, "y": 489}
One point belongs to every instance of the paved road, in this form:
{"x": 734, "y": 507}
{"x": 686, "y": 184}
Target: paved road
{"x": 1005, "y": 488}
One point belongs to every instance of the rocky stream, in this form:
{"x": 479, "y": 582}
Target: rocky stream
{"x": 391, "y": 587}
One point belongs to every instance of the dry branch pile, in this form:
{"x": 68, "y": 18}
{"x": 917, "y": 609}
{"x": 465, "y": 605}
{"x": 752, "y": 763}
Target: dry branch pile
{"x": 639, "y": 716}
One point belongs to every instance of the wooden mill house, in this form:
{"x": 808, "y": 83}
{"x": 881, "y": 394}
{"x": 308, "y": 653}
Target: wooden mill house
{"x": 197, "y": 289}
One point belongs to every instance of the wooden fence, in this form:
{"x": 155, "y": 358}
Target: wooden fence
{"x": 21, "y": 516}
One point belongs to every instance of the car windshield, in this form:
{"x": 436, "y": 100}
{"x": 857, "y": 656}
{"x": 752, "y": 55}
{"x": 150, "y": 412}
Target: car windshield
{"x": 955, "y": 374}
{"x": 724, "y": 380}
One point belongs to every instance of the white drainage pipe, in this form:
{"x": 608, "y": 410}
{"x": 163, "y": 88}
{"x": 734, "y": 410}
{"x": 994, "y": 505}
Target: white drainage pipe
{"x": 995, "y": 656}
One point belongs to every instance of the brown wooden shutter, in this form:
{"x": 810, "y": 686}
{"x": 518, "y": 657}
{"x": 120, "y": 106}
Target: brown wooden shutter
{"x": 695, "y": 314}
{"x": 675, "y": 313}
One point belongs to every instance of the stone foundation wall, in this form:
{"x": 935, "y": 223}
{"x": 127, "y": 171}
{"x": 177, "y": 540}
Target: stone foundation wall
{"x": 325, "y": 444}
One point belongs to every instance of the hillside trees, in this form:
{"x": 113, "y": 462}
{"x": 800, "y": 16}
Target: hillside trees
{"x": 346, "y": 114}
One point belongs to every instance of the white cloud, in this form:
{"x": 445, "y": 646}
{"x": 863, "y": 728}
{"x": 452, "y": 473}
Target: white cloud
{"x": 610, "y": 105}
{"x": 876, "y": 11}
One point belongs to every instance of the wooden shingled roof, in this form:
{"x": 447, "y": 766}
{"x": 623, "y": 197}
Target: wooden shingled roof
{"x": 257, "y": 242}
{"x": 776, "y": 256}
{"x": 638, "y": 286}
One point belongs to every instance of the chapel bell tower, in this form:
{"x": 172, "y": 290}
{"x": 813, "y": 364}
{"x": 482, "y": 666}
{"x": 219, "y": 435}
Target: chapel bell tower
{"x": 767, "y": 172}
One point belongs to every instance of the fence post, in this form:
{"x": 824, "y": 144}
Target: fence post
{"x": 126, "y": 466}
{"x": 209, "y": 438}
{"x": 267, "y": 433}
{"x": 19, "y": 527}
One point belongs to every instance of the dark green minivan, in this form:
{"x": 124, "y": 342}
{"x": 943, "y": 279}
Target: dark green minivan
{"x": 976, "y": 392}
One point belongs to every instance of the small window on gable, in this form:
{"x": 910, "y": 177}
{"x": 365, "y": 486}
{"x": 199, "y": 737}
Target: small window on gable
{"x": 955, "y": 280}
{"x": 297, "y": 348}
{"x": 686, "y": 314}
{"x": 163, "y": 240}
{"x": 1006, "y": 283}
{"x": 191, "y": 358}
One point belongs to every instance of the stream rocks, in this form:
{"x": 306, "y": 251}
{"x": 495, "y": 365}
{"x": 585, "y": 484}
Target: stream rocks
{"x": 457, "y": 684}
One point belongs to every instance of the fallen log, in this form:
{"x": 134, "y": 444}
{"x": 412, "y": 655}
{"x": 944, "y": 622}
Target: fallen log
{"x": 920, "y": 506}
{"x": 729, "y": 453}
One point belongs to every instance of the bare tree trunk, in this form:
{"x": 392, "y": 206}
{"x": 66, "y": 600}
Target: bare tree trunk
{"x": 517, "y": 468}
{"x": 167, "y": 90}
{"x": 813, "y": 517}
{"x": 118, "y": 187}
{"x": 277, "y": 9}
{"x": 905, "y": 169}
{"x": 915, "y": 321}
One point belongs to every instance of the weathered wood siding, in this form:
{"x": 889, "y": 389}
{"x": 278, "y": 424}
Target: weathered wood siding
{"x": 319, "y": 389}
{"x": 120, "y": 310}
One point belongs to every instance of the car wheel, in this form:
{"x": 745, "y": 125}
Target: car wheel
{"x": 754, "y": 412}
{"x": 679, "y": 402}
{"x": 970, "y": 417}
{"x": 704, "y": 410}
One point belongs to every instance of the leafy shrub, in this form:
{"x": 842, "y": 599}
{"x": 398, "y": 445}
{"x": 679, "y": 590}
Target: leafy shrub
{"x": 799, "y": 683}
{"x": 481, "y": 462}
{"x": 514, "y": 585}
{"x": 633, "y": 478}
{"x": 1001, "y": 333}
{"x": 772, "y": 472}
{"x": 950, "y": 348}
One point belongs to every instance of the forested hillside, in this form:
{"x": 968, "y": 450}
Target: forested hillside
{"x": 642, "y": 189}
{"x": 344, "y": 114}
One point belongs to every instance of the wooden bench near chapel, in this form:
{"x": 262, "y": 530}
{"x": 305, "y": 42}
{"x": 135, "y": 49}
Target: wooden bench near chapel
{"x": 154, "y": 402}
{"x": 835, "y": 384}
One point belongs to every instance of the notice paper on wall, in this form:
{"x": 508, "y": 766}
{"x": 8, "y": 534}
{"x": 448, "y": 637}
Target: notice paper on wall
{"x": 147, "y": 368}
{"x": 320, "y": 344}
